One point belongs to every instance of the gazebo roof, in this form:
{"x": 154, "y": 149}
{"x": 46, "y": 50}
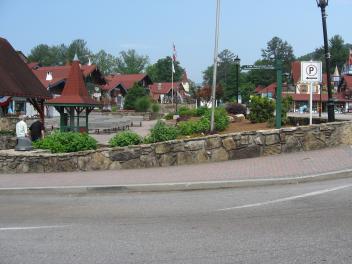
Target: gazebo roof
{"x": 75, "y": 92}
{"x": 16, "y": 79}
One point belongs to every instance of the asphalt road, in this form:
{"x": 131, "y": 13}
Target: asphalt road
{"x": 306, "y": 223}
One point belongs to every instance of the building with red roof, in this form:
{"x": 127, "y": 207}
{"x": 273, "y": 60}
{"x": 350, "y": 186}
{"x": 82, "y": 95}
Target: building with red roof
{"x": 18, "y": 82}
{"x": 300, "y": 91}
{"x": 117, "y": 86}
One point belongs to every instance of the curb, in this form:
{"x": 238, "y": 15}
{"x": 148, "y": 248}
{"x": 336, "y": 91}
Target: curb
{"x": 177, "y": 186}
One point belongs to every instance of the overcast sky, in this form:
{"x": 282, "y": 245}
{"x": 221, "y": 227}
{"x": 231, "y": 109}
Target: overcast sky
{"x": 151, "y": 26}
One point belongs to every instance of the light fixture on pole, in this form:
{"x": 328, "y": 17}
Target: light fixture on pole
{"x": 237, "y": 62}
{"x": 213, "y": 92}
{"x": 322, "y": 4}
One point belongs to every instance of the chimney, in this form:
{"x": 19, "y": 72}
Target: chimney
{"x": 49, "y": 76}
{"x": 159, "y": 86}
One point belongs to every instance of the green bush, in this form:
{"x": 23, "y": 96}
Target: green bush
{"x": 161, "y": 132}
{"x": 125, "y": 138}
{"x": 261, "y": 109}
{"x": 221, "y": 119}
{"x": 185, "y": 111}
{"x": 7, "y": 133}
{"x": 193, "y": 127}
{"x": 142, "y": 104}
{"x": 201, "y": 111}
{"x": 287, "y": 102}
{"x": 62, "y": 142}
{"x": 155, "y": 108}
{"x": 169, "y": 116}
{"x": 132, "y": 95}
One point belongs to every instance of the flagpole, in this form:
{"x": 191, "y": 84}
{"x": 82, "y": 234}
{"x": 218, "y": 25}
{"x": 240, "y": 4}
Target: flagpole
{"x": 172, "y": 84}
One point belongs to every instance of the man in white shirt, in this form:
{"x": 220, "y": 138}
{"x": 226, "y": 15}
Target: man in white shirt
{"x": 21, "y": 127}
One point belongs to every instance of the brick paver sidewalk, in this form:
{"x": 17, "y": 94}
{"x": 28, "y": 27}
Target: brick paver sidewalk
{"x": 286, "y": 165}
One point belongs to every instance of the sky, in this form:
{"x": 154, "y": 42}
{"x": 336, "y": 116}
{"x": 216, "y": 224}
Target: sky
{"x": 151, "y": 26}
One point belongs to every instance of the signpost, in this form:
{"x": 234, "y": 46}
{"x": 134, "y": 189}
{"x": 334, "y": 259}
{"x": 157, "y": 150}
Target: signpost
{"x": 311, "y": 72}
{"x": 278, "y": 68}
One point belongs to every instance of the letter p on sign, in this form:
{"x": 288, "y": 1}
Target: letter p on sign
{"x": 311, "y": 71}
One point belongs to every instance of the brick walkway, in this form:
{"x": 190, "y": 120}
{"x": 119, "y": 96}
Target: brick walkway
{"x": 286, "y": 165}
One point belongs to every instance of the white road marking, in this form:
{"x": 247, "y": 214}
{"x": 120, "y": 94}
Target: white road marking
{"x": 288, "y": 198}
{"x": 29, "y": 227}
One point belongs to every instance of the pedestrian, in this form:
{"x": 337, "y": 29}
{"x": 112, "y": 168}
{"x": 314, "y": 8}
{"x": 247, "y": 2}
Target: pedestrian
{"x": 21, "y": 127}
{"x": 37, "y": 130}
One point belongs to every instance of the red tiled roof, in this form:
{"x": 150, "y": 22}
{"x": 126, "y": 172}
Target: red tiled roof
{"x": 75, "y": 91}
{"x": 127, "y": 80}
{"x": 162, "y": 88}
{"x": 16, "y": 79}
{"x": 33, "y": 65}
{"x": 269, "y": 89}
{"x": 59, "y": 73}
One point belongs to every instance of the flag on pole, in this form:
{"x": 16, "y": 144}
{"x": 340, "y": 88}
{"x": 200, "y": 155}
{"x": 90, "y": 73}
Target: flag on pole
{"x": 173, "y": 57}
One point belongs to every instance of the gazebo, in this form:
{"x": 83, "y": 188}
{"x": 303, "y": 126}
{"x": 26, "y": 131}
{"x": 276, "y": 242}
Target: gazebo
{"x": 74, "y": 103}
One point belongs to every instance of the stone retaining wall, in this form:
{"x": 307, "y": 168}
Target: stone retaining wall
{"x": 7, "y": 142}
{"x": 8, "y": 123}
{"x": 178, "y": 152}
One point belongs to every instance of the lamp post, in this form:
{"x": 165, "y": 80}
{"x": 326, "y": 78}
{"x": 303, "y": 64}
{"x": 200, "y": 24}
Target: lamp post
{"x": 237, "y": 61}
{"x": 331, "y": 108}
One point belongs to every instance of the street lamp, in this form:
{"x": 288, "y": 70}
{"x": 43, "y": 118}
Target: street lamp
{"x": 322, "y": 4}
{"x": 237, "y": 62}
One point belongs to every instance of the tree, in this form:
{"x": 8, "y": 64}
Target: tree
{"x": 261, "y": 77}
{"x": 338, "y": 49}
{"x": 79, "y": 47}
{"x": 130, "y": 62}
{"x": 60, "y": 54}
{"x": 204, "y": 93}
{"x": 161, "y": 70}
{"x": 133, "y": 95}
{"x": 42, "y": 54}
{"x": 279, "y": 49}
{"x": 226, "y": 75}
{"x": 106, "y": 62}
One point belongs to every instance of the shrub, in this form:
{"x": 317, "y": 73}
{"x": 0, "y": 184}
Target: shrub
{"x": 221, "y": 119}
{"x": 185, "y": 111}
{"x": 261, "y": 109}
{"x": 133, "y": 94}
{"x": 235, "y": 108}
{"x": 161, "y": 132}
{"x": 142, "y": 104}
{"x": 169, "y": 116}
{"x": 125, "y": 138}
{"x": 201, "y": 111}
{"x": 62, "y": 142}
{"x": 155, "y": 108}
{"x": 287, "y": 102}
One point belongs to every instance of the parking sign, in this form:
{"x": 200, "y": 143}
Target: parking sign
{"x": 311, "y": 71}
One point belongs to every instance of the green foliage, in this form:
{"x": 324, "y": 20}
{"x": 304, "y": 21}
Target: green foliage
{"x": 221, "y": 119}
{"x": 261, "y": 109}
{"x": 235, "y": 108}
{"x": 106, "y": 62}
{"x": 194, "y": 127}
{"x": 287, "y": 102}
{"x": 60, "y": 54}
{"x": 185, "y": 111}
{"x": 133, "y": 94}
{"x": 125, "y": 138}
{"x": 169, "y": 116}
{"x": 161, "y": 132}
{"x": 155, "y": 108}
{"x": 142, "y": 104}
{"x": 200, "y": 111}
{"x": 130, "y": 62}
{"x": 161, "y": 70}
{"x": 62, "y": 142}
